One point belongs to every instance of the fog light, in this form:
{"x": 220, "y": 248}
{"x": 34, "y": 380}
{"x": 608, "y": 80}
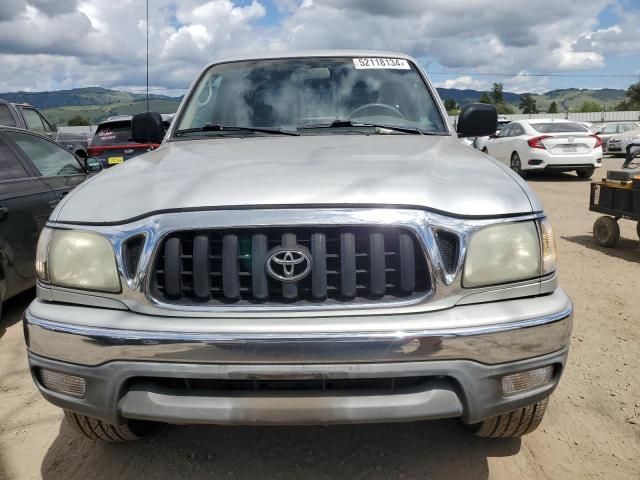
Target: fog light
{"x": 524, "y": 381}
{"x": 535, "y": 162}
{"x": 63, "y": 383}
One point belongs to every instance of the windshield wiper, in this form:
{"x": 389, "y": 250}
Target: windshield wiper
{"x": 228, "y": 128}
{"x": 339, "y": 123}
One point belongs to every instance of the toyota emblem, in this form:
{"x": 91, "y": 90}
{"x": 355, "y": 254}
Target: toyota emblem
{"x": 288, "y": 264}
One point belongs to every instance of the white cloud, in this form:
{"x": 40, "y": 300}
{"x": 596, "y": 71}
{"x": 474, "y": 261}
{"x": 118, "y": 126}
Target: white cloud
{"x": 465, "y": 82}
{"x": 101, "y": 42}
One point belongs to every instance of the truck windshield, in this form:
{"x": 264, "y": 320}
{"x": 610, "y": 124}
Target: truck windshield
{"x": 307, "y": 94}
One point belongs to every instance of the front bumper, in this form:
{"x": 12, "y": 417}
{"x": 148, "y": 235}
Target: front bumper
{"x": 461, "y": 367}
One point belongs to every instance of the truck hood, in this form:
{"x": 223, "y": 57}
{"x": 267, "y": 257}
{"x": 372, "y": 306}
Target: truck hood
{"x": 432, "y": 172}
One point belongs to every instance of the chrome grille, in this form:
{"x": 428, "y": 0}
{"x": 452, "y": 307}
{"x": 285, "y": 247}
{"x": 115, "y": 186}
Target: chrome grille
{"x": 348, "y": 265}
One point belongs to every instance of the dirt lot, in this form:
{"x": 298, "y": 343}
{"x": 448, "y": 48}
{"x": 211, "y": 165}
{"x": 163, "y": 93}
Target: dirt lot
{"x": 592, "y": 427}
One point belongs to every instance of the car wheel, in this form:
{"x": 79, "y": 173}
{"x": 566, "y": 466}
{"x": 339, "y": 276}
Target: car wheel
{"x": 95, "y": 429}
{"x": 513, "y": 424}
{"x": 516, "y": 165}
{"x": 585, "y": 173}
{"x": 606, "y": 231}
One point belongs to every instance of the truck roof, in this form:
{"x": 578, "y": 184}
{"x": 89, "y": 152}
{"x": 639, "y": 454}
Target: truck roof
{"x": 314, "y": 53}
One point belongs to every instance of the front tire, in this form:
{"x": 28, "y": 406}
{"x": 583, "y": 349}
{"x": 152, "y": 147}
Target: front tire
{"x": 606, "y": 231}
{"x": 95, "y": 429}
{"x": 585, "y": 173}
{"x": 513, "y": 424}
{"x": 516, "y": 165}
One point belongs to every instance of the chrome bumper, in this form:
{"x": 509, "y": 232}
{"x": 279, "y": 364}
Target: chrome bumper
{"x": 536, "y": 326}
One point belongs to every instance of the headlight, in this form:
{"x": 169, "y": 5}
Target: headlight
{"x": 502, "y": 253}
{"x": 76, "y": 259}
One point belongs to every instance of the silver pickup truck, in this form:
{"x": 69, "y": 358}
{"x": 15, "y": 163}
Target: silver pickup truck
{"x": 311, "y": 244}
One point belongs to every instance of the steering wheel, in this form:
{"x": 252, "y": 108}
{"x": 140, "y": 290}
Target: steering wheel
{"x": 394, "y": 111}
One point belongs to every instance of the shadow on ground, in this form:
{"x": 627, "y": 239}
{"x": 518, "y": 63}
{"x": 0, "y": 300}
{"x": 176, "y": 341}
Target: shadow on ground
{"x": 12, "y": 309}
{"x": 440, "y": 449}
{"x": 625, "y": 249}
{"x": 556, "y": 177}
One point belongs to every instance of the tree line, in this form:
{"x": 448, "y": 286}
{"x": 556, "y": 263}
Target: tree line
{"x": 528, "y": 102}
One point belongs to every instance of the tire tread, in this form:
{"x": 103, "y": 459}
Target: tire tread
{"x": 96, "y": 429}
{"x": 513, "y": 424}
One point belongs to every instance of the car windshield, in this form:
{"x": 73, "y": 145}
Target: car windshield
{"x": 306, "y": 94}
{"x": 559, "y": 127}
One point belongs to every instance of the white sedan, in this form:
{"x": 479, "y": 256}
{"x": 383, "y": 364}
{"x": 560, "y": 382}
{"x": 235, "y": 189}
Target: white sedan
{"x": 618, "y": 143}
{"x": 546, "y": 144}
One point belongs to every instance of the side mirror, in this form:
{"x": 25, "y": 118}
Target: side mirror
{"x": 147, "y": 128}
{"x": 478, "y": 120}
{"x": 92, "y": 165}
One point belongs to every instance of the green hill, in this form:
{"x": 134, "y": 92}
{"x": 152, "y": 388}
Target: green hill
{"x": 93, "y": 103}
{"x": 96, "y": 113}
{"x": 573, "y": 98}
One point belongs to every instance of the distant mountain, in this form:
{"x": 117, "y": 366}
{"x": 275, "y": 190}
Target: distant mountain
{"x": 93, "y": 103}
{"x": 571, "y": 98}
{"x": 465, "y": 97}
{"x": 97, "y": 103}
{"x": 78, "y": 97}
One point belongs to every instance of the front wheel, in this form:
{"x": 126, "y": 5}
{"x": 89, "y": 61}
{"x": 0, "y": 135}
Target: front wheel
{"x": 585, "y": 173}
{"x": 513, "y": 424}
{"x": 95, "y": 429}
{"x": 606, "y": 231}
{"x": 516, "y": 165}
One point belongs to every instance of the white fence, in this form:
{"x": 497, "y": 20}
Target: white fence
{"x": 593, "y": 117}
{"x": 83, "y": 129}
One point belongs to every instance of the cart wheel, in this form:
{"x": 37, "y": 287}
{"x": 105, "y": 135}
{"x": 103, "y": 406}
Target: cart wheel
{"x": 606, "y": 231}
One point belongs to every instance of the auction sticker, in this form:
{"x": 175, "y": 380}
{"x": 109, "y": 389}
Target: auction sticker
{"x": 384, "y": 63}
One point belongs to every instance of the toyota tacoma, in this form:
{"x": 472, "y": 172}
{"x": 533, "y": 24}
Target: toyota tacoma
{"x": 310, "y": 244}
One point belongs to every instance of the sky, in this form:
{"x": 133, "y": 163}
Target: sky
{"x": 531, "y": 46}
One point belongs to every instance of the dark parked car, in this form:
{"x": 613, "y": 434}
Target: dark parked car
{"x": 35, "y": 174}
{"x": 112, "y": 143}
{"x": 24, "y": 116}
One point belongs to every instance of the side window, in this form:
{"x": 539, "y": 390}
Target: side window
{"x": 516, "y": 131}
{"x": 5, "y": 116}
{"x": 506, "y": 131}
{"x": 10, "y": 166}
{"x": 625, "y": 127}
{"x": 50, "y": 159}
{"x": 33, "y": 120}
{"x": 45, "y": 122}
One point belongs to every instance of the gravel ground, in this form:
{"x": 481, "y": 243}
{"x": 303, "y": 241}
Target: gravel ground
{"x": 591, "y": 429}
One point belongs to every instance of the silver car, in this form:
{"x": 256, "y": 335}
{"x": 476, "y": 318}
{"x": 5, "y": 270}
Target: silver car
{"x": 608, "y": 130}
{"x": 310, "y": 244}
{"x": 618, "y": 144}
